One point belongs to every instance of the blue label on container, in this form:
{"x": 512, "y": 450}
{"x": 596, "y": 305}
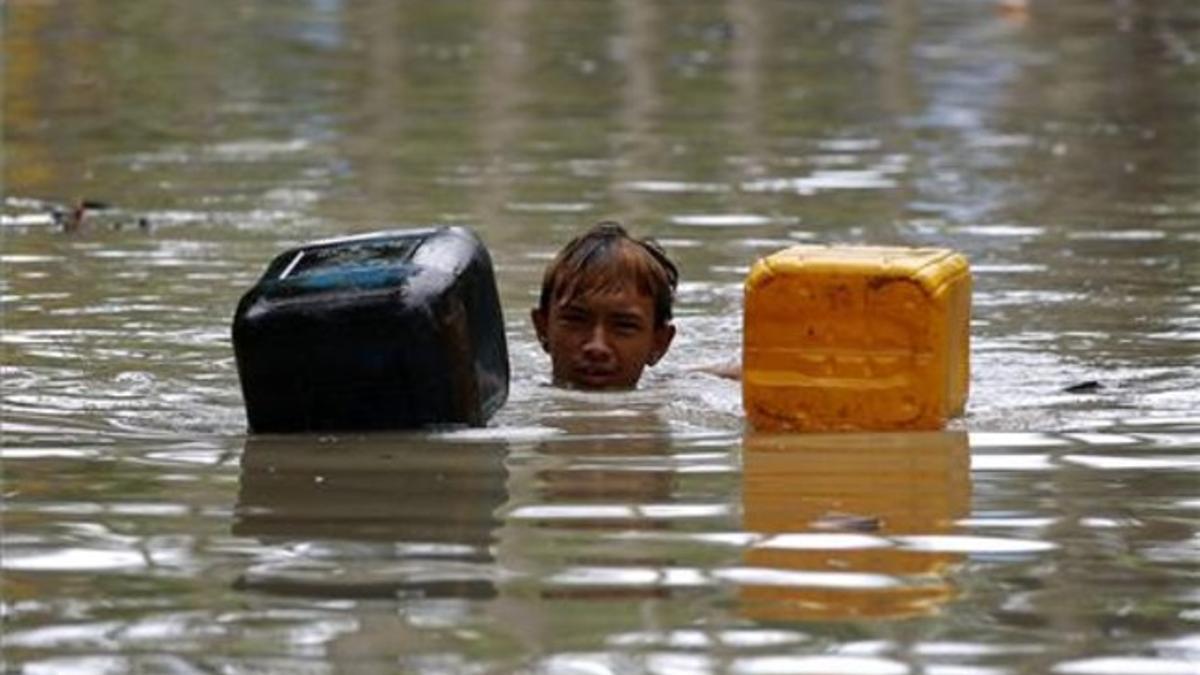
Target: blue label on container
{"x": 368, "y": 277}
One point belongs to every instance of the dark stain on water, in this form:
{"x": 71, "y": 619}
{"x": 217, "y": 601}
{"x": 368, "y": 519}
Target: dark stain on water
{"x": 1085, "y": 387}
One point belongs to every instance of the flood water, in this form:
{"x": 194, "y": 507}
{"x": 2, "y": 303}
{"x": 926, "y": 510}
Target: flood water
{"x": 1056, "y": 144}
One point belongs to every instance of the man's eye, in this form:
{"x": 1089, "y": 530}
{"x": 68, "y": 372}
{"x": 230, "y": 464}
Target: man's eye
{"x": 627, "y": 327}
{"x": 572, "y": 319}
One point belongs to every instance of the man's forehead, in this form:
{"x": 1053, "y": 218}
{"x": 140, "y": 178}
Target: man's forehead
{"x": 623, "y": 296}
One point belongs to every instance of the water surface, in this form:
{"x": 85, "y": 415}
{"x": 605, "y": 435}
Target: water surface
{"x": 1051, "y": 530}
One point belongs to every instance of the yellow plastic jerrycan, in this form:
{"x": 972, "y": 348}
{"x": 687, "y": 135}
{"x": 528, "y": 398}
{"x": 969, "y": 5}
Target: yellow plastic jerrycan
{"x": 856, "y": 338}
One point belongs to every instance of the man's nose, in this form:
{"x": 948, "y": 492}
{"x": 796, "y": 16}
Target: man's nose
{"x": 597, "y": 347}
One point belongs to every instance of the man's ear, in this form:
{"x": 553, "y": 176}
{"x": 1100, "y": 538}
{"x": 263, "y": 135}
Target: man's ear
{"x": 662, "y": 342}
{"x": 539, "y": 325}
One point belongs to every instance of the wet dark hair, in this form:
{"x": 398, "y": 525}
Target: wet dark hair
{"x": 604, "y": 258}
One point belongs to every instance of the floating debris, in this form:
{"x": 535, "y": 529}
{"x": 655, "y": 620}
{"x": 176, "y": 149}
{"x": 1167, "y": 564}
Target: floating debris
{"x": 1084, "y": 387}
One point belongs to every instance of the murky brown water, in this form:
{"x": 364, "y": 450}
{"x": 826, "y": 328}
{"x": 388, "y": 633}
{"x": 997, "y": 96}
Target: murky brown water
{"x": 1057, "y": 145}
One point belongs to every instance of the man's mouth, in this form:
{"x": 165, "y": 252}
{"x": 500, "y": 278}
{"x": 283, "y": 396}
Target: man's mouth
{"x": 594, "y": 375}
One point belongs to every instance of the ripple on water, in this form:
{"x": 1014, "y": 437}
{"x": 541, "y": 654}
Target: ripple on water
{"x": 988, "y": 440}
{"x": 720, "y": 220}
{"x": 1118, "y": 235}
{"x": 97, "y": 665}
{"x": 257, "y": 149}
{"x": 549, "y": 207}
{"x": 697, "y": 639}
{"x": 776, "y": 577}
{"x": 1002, "y": 230}
{"x": 1140, "y": 462}
{"x": 818, "y": 665}
{"x": 74, "y": 559}
{"x": 765, "y": 243}
{"x": 502, "y": 433}
{"x": 973, "y": 544}
{"x": 46, "y": 433}
{"x": 29, "y": 259}
{"x": 824, "y": 180}
{"x": 1019, "y": 297}
{"x": 1011, "y": 268}
{"x": 675, "y": 187}
{"x": 1128, "y": 665}
{"x": 849, "y": 144}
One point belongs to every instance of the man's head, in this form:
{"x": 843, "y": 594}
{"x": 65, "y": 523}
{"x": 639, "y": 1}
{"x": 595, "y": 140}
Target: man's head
{"x": 605, "y": 309}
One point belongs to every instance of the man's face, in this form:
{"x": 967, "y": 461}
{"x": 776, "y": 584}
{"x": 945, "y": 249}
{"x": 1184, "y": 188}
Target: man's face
{"x": 602, "y": 340}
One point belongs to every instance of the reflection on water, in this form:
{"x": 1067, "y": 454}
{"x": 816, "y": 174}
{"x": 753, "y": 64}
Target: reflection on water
{"x": 830, "y": 506}
{"x": 1056, "y": 144}
{"x": 606, "y": 551}
{"x": 428, "y": 506}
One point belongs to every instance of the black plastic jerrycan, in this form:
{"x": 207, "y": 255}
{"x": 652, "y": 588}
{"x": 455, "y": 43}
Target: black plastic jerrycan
{"x": 390, "y": 330}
